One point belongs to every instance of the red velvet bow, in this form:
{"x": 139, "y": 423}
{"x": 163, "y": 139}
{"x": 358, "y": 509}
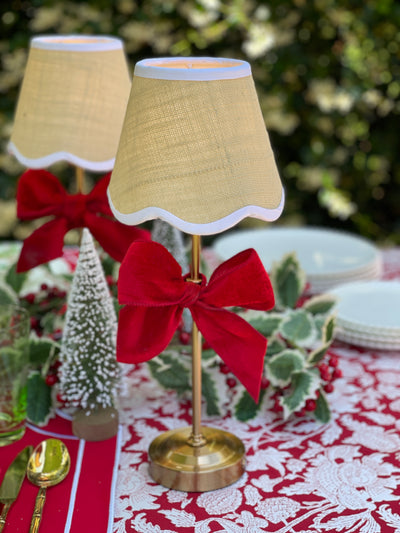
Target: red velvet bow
{"x": 41, "y": 194}
{"x": 155, "y": 293}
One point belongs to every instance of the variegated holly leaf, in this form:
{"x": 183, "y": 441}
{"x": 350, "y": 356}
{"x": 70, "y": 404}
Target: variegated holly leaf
{"x": 328, "y": 329}
{"x": 42, "y": 352}
{"x": 322, "y": 412}
{"x": 39, "y": 400}
{"x": 280, "y": 367}
{"x": 246, "y": 408}
{"x": 15, "y": 279}
{"x": 320, "y": 305}
{"x": 303, "y": 386}
{"x": 317, "y": 355}
{"x": 288, "y": 280}
{"x": 7, "y": 294}
{"x": 298, "y": 328}
{"x": 168, "y": 369}
{"x": 210, "y": 392}
{"x": 266, "y": 323}
{"x": 274, "y": 346}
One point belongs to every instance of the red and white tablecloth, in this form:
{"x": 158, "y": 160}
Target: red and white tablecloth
{"x": 300, "y": 476}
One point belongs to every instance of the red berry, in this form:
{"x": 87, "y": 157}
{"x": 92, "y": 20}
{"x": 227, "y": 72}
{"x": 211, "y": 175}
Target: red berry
{"x": 184, "y": 337}
{"x": 326, "y": 376}
{"x": 206, "y": 346}
{"x": 328, "y": 387}
{"x": 301, "y": 412}
{"x": 317, "y": 393}
{"x": 311, "y": 405}
{"x": 265, "y": 383}
{"x": 224, "y": 368}
{"x": 337, "y": 373}
{"x": 110, "y": 280}
{"x": 324, "y": 371}
{"x": 51, "y": 379}
{"x": 333, "y": 361}
{"x": 44, "y": 287}
{"x": 62, "y": 310}
{"x": 30, "y": 298}
{"x": 34, "y": 322}
{"x": 56, "y": 365}
{"x": 231, "y": 382}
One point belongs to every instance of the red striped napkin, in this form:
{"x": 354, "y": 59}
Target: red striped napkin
{"x": 84, "y": 501}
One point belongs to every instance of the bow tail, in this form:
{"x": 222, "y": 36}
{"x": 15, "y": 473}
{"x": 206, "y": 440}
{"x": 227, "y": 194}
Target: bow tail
{"x": 144, "y": 332}
{"x": 114, "y": 237}
{"x": 43, "y": 245}
{"x": 238, "y": 344}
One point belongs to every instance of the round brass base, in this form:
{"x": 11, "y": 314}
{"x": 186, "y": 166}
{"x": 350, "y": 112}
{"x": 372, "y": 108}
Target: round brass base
{"x": 177, "y": 464}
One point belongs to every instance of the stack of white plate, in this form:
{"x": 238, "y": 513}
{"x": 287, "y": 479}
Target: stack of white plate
{"x": 328, "y": 257}
{"x": 368, "y": 314}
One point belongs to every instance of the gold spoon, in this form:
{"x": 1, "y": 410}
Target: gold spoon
{"x": 48, "y": 465}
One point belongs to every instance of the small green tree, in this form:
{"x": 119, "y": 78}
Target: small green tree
{"x": 89, "y": 373}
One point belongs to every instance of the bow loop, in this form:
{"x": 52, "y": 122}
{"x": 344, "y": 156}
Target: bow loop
{"x": 74, "y": 210}
{"x": 154, "y": 293}
{"x": 41, "y": 194}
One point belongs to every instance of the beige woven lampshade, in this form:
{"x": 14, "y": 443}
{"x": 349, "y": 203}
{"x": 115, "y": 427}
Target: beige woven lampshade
{"x": 72, "y": 102}
{"x": 194, "y": 150}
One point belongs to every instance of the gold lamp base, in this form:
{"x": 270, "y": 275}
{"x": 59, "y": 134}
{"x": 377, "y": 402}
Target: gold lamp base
{"x": 177, "y": 464}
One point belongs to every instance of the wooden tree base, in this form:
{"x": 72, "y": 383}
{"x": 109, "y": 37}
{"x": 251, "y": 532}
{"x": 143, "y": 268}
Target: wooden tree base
{"x": 96, "y": 425}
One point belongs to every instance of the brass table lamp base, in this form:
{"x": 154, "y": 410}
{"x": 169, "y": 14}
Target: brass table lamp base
{"x": 177, "y": 464}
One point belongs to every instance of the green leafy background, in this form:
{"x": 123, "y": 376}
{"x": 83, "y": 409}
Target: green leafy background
{"x": 327, "y": 76}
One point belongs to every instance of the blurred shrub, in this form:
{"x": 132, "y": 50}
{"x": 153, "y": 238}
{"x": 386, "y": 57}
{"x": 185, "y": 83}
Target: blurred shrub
{"x": 327, "y": 74}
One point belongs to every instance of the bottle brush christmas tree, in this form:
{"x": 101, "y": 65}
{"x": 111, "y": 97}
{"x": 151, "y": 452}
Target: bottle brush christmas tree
{"x": 89, "y": 375}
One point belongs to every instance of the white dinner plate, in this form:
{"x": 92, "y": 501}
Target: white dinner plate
{"x": 325, "y": 255}
{"x": 372, "y": 305}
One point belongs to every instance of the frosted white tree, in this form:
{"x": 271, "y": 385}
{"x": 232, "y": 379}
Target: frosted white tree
{"x": 89, "y": 376}
{"x": 172, "y": 239}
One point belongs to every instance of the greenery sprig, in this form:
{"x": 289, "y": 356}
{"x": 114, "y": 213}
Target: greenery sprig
{"x": 298, "y": 372}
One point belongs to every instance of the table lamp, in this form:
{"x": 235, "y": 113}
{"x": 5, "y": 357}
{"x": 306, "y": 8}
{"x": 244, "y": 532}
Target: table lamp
{"x": 72, "y": 103}
{"x": 194, "y": 152}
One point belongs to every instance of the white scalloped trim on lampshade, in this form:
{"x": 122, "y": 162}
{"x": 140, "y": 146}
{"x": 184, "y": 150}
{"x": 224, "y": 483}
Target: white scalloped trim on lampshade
{"x": 72, "y": 102}
{"x": 194, "y": 150}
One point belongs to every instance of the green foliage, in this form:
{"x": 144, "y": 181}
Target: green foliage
{"x": 281, "y": 366}
{"x": 298, "y": 328}
{"x": 267, "y": 325}
{"x": 298, "y": 340}
{"x": 288, "y": 281}
{"x": 7, "y": 294}
{"x": 39, "y": 399}
{"x": 169, "y": 370}
{"x": 304, "y": 385}
{"x": 210, "y": 391}
{"x": 322, "y": 413}
{"x": 42, "y": 352}
{"x": 245, "y": 407}
{"x": 15, "y": 279}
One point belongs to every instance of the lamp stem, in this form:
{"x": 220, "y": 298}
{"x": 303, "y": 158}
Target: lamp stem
{"x": 196, "y": 438}
{"x": 79, "y": 178}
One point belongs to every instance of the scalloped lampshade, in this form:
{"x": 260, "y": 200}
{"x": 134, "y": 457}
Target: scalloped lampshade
{"x": 72, "y": 102}
{"x": 194, "y": 150}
